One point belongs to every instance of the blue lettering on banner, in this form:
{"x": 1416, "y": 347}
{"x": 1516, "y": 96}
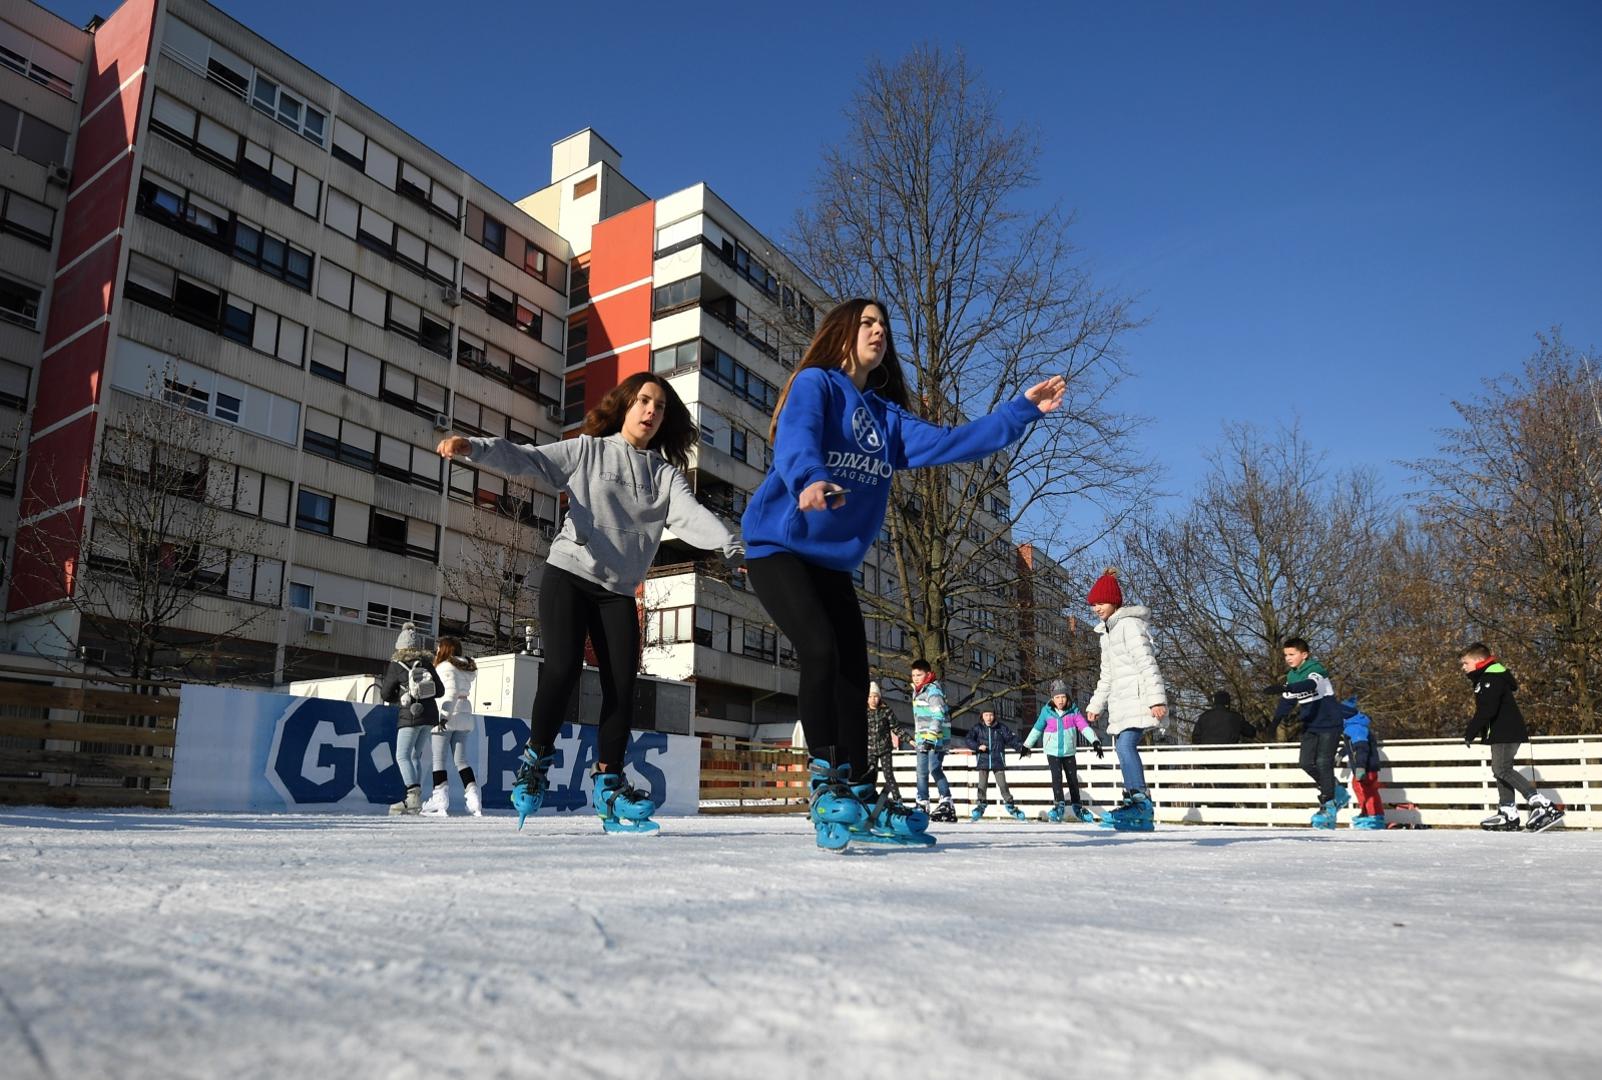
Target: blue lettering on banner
{"x": 382, "y": 785}
{"x": 505, "y": 736}
{"x": 299, "y": 729}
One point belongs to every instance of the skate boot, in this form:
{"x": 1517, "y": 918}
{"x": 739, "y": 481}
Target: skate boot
{"x": 1017, "y": 814}
{"x": 474, "y": 799}
{"x": 1544, "y": 814}
{"x": 1324, "y": 817}
{"x": 944, "y": 812}
{"x": 1342, "y": 797}
{"x": 528, "y": 792}
{"x": 887, "y": 821}
{"x": 621, "y": 807}
{"x": 1505, "y": 819}
{"x": 1369, "y": 821}
{"x": 1132, "y": 814}
{"x": 439, "y": 802}
{"x": 1083, "y": 813}
{"x": 978, "y": 810}
{"x": 410, "y": 806}
{"x": 833, "y": 809}
{"x": 1055, "y": 814}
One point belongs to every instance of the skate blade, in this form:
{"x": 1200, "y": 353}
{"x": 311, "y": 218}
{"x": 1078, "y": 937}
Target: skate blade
{"x": 624, "y": 826}
{"x": 1558, "y": 820}
{"x": 524, "y": 803}
{"x": 889, "y": 839}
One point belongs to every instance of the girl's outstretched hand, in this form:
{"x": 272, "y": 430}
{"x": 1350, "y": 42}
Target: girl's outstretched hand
{"x": 453, "y": 446}
{"x": 817, "y": 496}
{"x": 1046, "y": 396}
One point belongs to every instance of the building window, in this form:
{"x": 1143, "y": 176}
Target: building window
{"x": 314, "y": 512}
{"x": 22, "y": 217}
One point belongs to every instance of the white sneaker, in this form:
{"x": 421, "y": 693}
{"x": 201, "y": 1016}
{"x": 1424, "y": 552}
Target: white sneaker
{"x": 475, "y": 802}
{"x": 439, "y": 801}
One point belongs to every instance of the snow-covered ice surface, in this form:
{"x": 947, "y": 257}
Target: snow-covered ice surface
{"x": 157, "y": 944}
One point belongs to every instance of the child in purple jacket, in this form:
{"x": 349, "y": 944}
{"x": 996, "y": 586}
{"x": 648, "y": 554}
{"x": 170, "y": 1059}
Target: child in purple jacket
{"x": 1058, "y": 730}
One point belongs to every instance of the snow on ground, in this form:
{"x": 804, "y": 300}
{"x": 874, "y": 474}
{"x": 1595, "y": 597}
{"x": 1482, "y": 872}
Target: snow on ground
{"x": 158, "y": 944}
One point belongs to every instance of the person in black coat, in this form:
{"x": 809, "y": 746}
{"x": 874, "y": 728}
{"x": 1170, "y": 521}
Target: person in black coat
{"x": 1498, "y": 721}
{"x": 1221, "y": 724}
{"x": 411, "y": 684}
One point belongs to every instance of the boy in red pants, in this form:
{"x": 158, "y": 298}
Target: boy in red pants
{"x": 1362, "y": 754}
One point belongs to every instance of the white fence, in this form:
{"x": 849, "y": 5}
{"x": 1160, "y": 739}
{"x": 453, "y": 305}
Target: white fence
{"x": 1441, "y": 781}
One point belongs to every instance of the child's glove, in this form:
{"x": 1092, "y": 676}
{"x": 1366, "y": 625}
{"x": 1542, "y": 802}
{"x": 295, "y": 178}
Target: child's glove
{"x": 1273, "y": 689}
{"x": 1096, "y": 746}
{"x": 1025, "y": 751}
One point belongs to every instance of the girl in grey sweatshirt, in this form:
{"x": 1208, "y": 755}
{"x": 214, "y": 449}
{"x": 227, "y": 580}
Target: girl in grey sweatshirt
{"x": 624, "y": 486}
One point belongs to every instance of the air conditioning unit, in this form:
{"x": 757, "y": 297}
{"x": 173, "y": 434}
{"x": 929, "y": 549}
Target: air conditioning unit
{"x": 555, "y": 412}
{"x": 319, "y": 624}
{"x": 548, "y": 531}
{"x": 451, "y": 295}
{"x": 442, "y": 421}
{"x": 59, "y": 174}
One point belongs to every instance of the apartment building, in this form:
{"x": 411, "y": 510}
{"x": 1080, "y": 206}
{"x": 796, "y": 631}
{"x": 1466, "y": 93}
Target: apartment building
{"x": 41, "y": 85}
{"x": 233, "y": 235}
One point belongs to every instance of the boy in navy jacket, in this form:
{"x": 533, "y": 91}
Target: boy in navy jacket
{"x": 989, "y": 741}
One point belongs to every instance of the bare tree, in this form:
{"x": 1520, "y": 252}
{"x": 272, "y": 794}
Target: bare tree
{"x": 168, "y": 579}
{"x": 925, "y": 203}
{"x": 1515, "y": 503}
{"x": 497, "y": 567}
{"x": 1270, "y": 547}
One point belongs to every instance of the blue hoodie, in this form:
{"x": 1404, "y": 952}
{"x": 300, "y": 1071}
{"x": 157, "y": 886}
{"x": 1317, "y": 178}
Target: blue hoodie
{"x": 830, "y": 430}
{"x": 1362, "y": 747}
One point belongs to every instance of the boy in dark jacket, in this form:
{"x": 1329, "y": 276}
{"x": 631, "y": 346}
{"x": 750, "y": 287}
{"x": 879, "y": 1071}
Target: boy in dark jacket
{"x": 1308, "y": 690}
{"x": 885, "y": 734}
{"x": 989, "y": 742}
{"x": 1498, "y": 721}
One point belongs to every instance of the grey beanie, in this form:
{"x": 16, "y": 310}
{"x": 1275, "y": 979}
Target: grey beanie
{"x": 410, "y": 638}
{"x": 1058, "y": 687}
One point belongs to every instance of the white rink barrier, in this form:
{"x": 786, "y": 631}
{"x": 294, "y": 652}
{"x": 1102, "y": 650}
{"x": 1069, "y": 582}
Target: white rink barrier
{"x": 1446, "y": 783}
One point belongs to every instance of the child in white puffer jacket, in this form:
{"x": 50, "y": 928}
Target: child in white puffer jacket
{"x": 457, "y": 676}
{"x": 1130, "y": 691}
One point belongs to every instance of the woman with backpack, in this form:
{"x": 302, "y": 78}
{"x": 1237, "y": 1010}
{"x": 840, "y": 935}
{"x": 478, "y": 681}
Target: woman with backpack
{"x": 411, "y": 683}
{"x": 457, "y": 676}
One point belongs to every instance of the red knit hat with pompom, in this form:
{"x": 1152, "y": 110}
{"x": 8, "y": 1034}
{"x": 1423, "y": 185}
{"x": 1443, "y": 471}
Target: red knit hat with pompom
{"x": 1106, "y": 590}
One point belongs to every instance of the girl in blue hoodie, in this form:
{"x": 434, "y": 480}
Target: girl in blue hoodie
{"x": 841, "y": 429}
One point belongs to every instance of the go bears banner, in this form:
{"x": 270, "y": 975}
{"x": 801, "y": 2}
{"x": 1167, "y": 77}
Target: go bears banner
{"x": 242, "y": 750}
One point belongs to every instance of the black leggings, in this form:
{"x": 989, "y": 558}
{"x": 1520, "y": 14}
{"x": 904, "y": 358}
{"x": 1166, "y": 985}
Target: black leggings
{"x": 1061, "y": 767}
{"x": 817, "y": 610}
{"x": 571, "y": 609}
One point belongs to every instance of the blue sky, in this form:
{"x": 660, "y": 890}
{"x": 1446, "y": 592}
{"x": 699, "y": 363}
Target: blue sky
{"x": 1346, "y": 214}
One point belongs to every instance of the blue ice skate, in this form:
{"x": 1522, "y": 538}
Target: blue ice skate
{"x": 978, "y": 811}
{"x": 1342, "y": 797}
{"x": 1369, "y": 821}
{"x": 834, "y": 810}
{"x": 888, "y": 821}
{"x": 1085, "y": 814}
{"x": 621, "y": 807}
{"x": 1055, "y": 815}
{"x": 528, "y": 791}
{"x": 1324, "y": 818}
{"x": 1132, "y": 814}
{"x": 1015, "y": 813}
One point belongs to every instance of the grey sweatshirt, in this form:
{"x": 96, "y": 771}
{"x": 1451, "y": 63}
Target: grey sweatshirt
{"x": 619, "y": 501}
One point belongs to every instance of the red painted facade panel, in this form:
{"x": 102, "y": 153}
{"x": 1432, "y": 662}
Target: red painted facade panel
{"x": 58, "y": 467}
{"x": 96, "y": 211}
{"x": 82, "y": 294}
{"x": 46, "y": 560}
{"x": 108, "y": 133}
{"x": 621, "y": 248}
{"x": 121, "y": 47}
{"x": 71, "y": 378}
